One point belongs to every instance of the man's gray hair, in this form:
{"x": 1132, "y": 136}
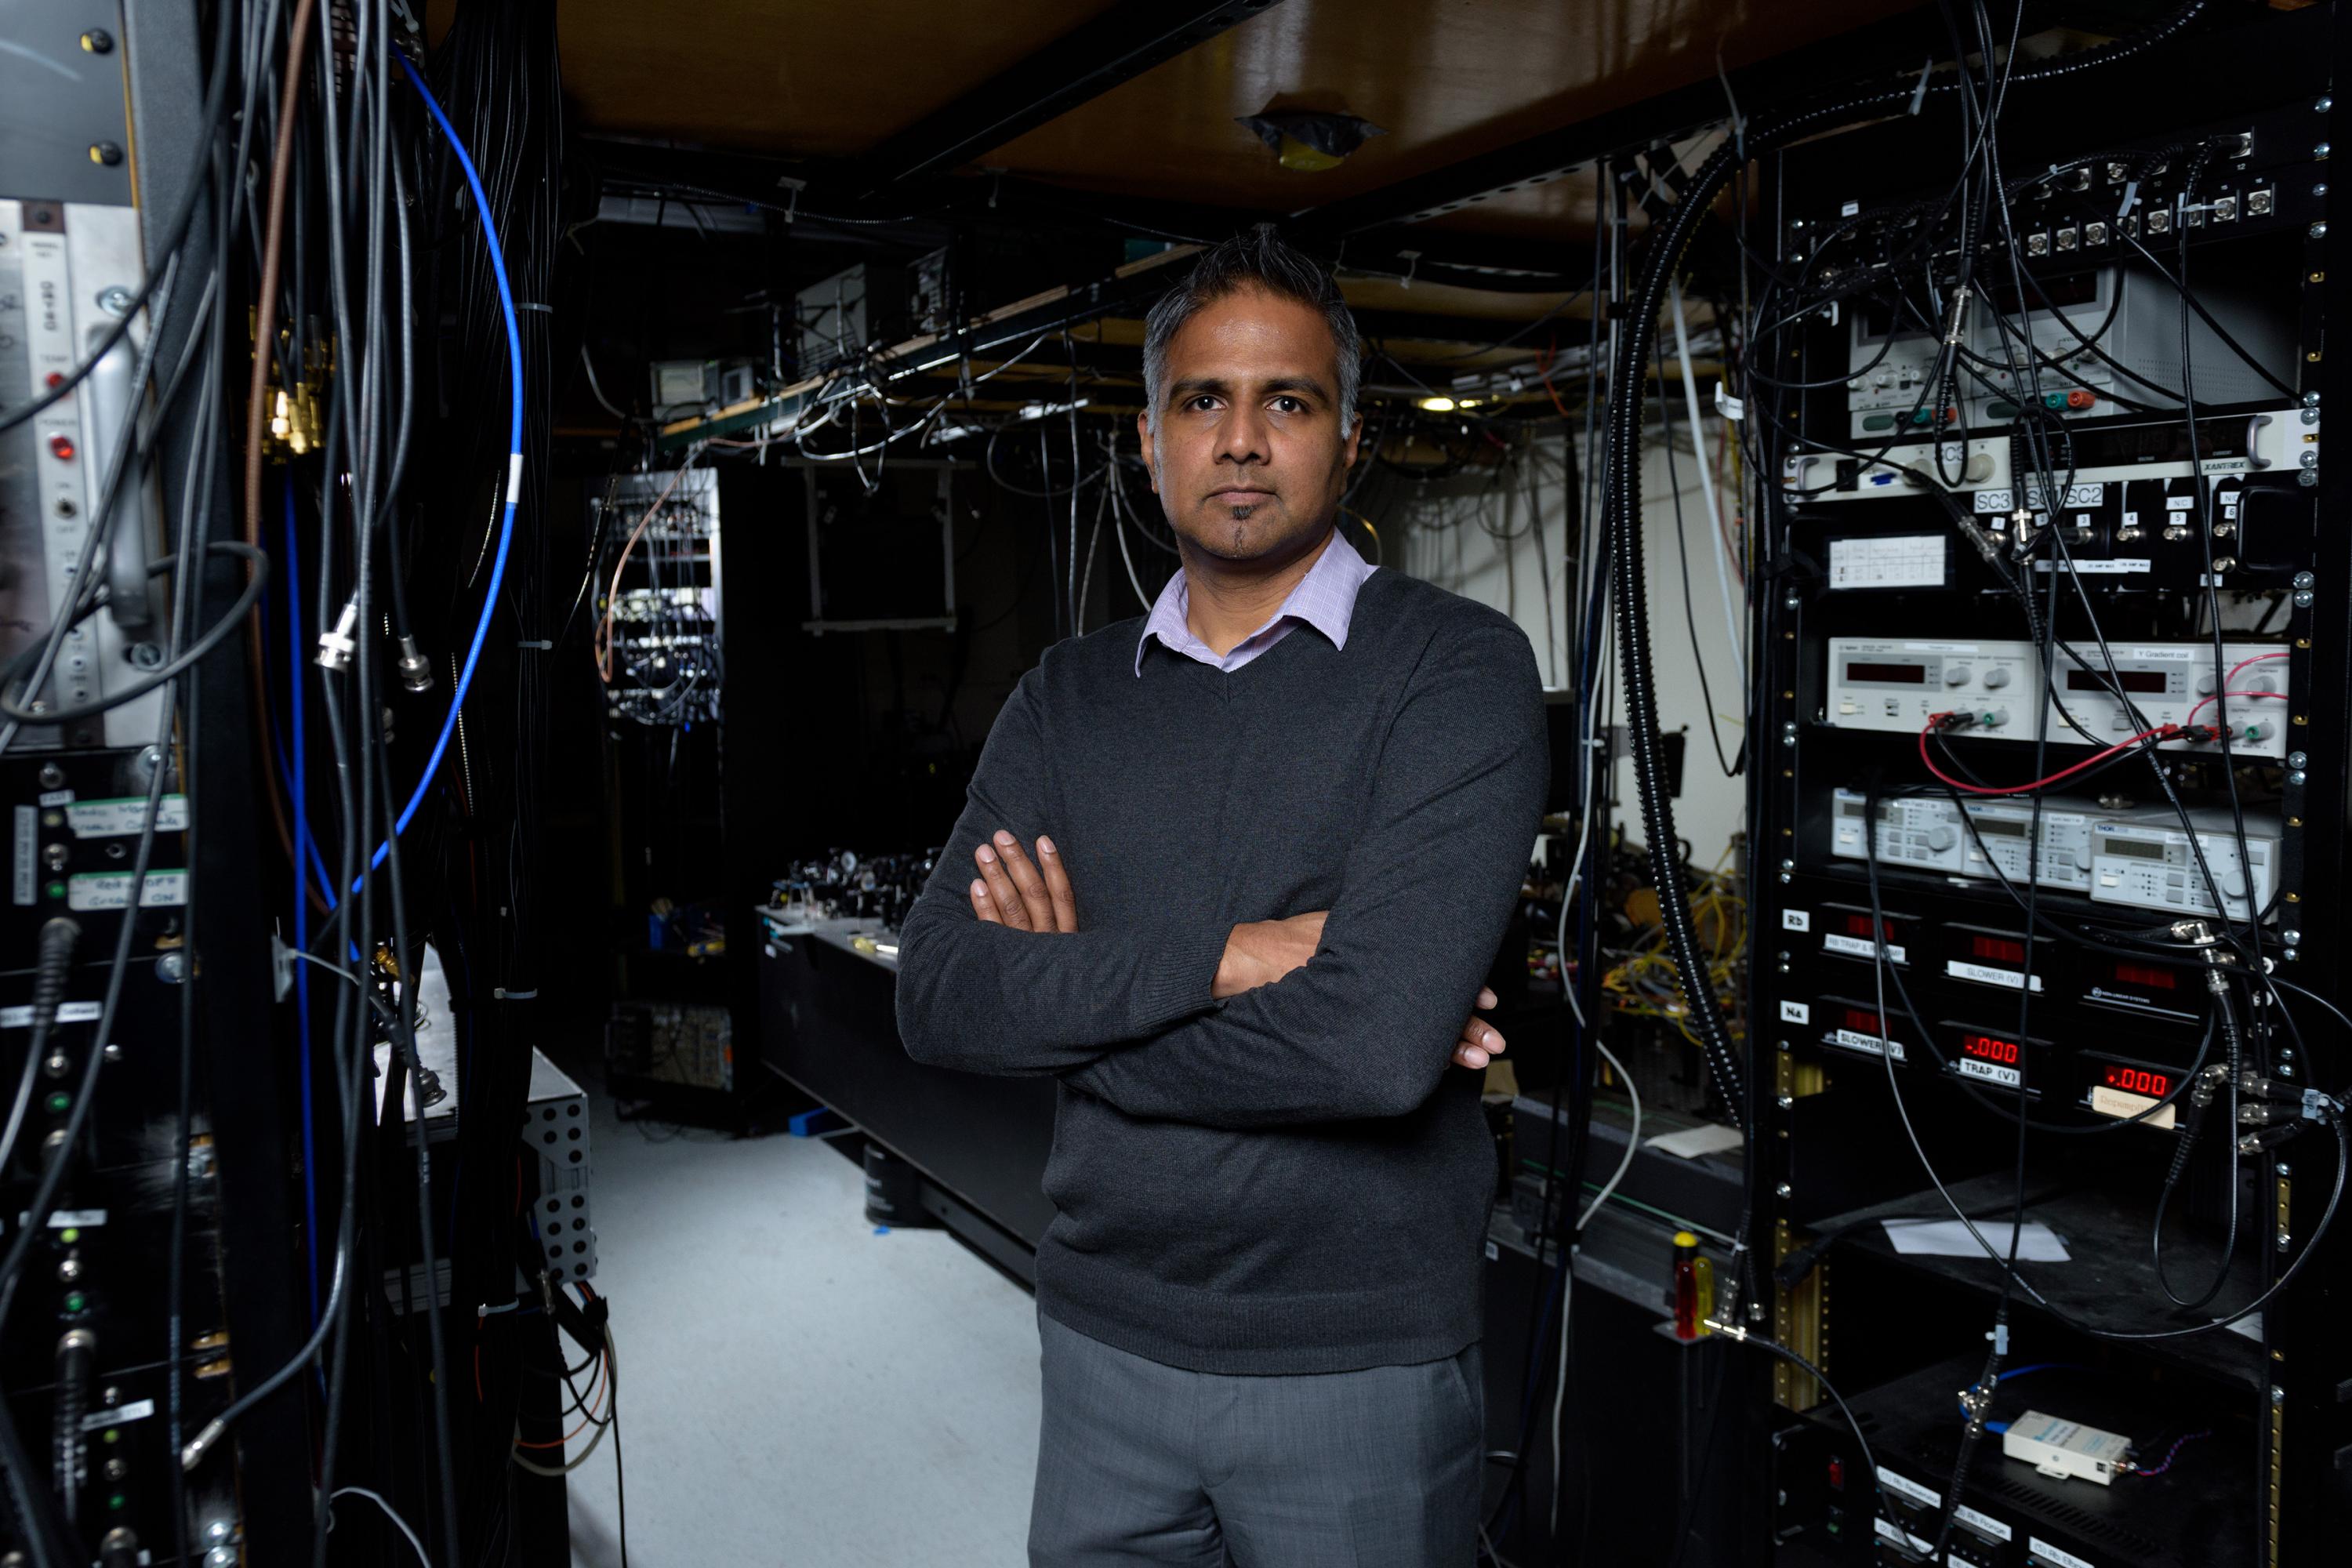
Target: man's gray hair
{"x": 1259, "y": 258}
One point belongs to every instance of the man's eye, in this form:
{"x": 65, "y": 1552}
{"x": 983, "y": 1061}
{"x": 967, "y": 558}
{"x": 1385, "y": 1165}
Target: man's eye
{"x": 1289, "y": 405}
{"x": 1201, "y": 401}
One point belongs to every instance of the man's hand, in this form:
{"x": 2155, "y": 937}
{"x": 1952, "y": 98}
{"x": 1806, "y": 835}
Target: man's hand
{"x": 1262, "y": 951}
{"x": 1481, "y": 1042}
{"x": 1259, "y": 952}
{"x": 1010, "y": 891}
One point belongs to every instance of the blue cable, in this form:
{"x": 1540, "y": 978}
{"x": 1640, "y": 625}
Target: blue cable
{"x": 301, "y": 904}
{"x": 514, "y": 463}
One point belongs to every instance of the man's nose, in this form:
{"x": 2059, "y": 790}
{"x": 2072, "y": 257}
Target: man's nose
{"x": 1242, "y": 438}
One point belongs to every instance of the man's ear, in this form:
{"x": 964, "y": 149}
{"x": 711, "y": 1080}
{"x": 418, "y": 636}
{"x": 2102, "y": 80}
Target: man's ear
{"x": 1143, "y": 434}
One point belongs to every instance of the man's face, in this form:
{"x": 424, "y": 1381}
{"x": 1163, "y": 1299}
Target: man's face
{"x": 1246, "y": 454}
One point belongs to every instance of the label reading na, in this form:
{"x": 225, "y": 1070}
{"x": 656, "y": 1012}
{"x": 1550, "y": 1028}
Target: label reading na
{"x": 1987, "y": 976}
{"x": 2055, "y": 1556}
{"x": 1796, "y": 1012}
{"x": 1858, "y": 946}
{"x": 111, "y": 890}
{"x": 121, "y": 818}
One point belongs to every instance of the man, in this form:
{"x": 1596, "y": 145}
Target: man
{"x": 1278, "y": 830}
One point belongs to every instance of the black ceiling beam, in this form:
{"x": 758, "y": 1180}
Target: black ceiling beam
{"x": 797, "y": 189}
{"x": 1906, "y": 40}
{"x": 1087, "y": 62}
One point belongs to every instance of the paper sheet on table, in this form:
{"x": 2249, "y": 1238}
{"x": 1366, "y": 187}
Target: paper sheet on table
{"x": 1950, "y": 1239}
{"x": 1692, "y": 1142}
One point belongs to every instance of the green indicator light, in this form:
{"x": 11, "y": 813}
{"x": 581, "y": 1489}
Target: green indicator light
{"x": 75, "y": 1301}
{"x": 57, "y": 889}
{"x": 60, "y": 1102}
{"x": 117, "y": 1502}
{"x": 110, "y": 1435}
{"x": 69, "y": 1235}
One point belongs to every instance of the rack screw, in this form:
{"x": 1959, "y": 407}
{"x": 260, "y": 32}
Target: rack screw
{"x": 2320, "y": 231}
{"x": 2321, "y": 150}
{"x": 2290, "y": 936}
{"x": 1783, "y": 1190}
{"x": 2311, "y": 400}
{"x": 2296, "y": 759}
{"x": 1783, "y": 1101}
{"x": 2295, "y": 776}
{"x": 2323, "y": 106}
{"x": 2306, "y": 580}
{"x": 2282, "y": 1169}
{"x": 115, "y": 301}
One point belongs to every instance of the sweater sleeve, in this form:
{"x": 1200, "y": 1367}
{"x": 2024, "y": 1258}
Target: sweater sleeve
{"x": 988, "y": 999}
{"x": 1365, "y": 1028}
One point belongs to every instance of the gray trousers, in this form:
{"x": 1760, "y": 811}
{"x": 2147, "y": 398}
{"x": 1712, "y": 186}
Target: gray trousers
{"x": 1140, "y": 1463}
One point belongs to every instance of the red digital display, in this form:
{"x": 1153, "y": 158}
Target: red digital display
{"x": 2147, "y": 974}
{"x": 1859, "y": 925}
{"x": 1864, "y": 1021}
{"x": 1999, "y": 948}
{"x": 1991, "y": 1048}
{"x": 2138, "y": 1080}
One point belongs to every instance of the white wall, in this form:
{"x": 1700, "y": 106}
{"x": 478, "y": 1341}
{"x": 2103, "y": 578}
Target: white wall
{"x": 1478, "y": 535}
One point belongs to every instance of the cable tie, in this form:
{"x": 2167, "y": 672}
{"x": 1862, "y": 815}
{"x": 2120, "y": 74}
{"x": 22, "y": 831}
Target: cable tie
{"x": 534, "y": 305}
{"x": 503, "y": 995}
{"x": 1919, "y": 94}
{"x": 2131, "y": 198}
{"x": 541, "y": 645}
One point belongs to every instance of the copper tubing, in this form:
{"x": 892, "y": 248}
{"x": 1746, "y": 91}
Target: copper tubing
{"x": 257, "y": 401}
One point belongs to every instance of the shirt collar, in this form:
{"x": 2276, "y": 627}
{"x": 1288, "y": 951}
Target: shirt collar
{"x": 1325, "y": 599}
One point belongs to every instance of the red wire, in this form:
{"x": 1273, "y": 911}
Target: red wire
{"x": 2162, "y": 730}
{"x": 2274, "y": 696}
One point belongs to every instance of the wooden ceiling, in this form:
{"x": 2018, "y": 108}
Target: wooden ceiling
{"x": 1446, "y": 79}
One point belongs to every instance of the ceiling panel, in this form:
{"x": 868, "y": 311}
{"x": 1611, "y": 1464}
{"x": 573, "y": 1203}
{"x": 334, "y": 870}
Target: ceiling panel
{"x": 806, "y": 78}
{"x": 1448, "y": 79}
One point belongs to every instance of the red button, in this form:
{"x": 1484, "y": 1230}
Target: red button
{"x": 61, "y": 448}
{"x": 55, "y": 379}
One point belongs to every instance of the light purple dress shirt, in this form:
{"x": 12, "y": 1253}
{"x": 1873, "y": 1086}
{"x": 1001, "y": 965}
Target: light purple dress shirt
{"x": 1325, "y": 599}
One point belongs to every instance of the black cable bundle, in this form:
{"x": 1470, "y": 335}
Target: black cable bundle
{"x": 497, "y": 75}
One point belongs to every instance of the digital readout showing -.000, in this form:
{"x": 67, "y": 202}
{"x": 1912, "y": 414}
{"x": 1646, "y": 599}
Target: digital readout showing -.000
{"x": 2138, "y": 1080}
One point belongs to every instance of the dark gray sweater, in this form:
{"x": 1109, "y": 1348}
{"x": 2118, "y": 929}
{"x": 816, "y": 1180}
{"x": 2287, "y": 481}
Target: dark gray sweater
{"x": 1294, "y": 1180}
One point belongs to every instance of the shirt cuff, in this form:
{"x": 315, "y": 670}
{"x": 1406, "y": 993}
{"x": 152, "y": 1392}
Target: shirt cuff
{"x": 1175, "y": 976}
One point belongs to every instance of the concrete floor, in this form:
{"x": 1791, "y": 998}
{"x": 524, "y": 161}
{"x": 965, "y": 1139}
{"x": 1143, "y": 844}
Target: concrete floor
{"x": 797, "y": 1391}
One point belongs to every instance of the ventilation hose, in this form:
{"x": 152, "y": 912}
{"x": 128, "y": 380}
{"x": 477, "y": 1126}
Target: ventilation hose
{"x": 1621, "y": 503}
